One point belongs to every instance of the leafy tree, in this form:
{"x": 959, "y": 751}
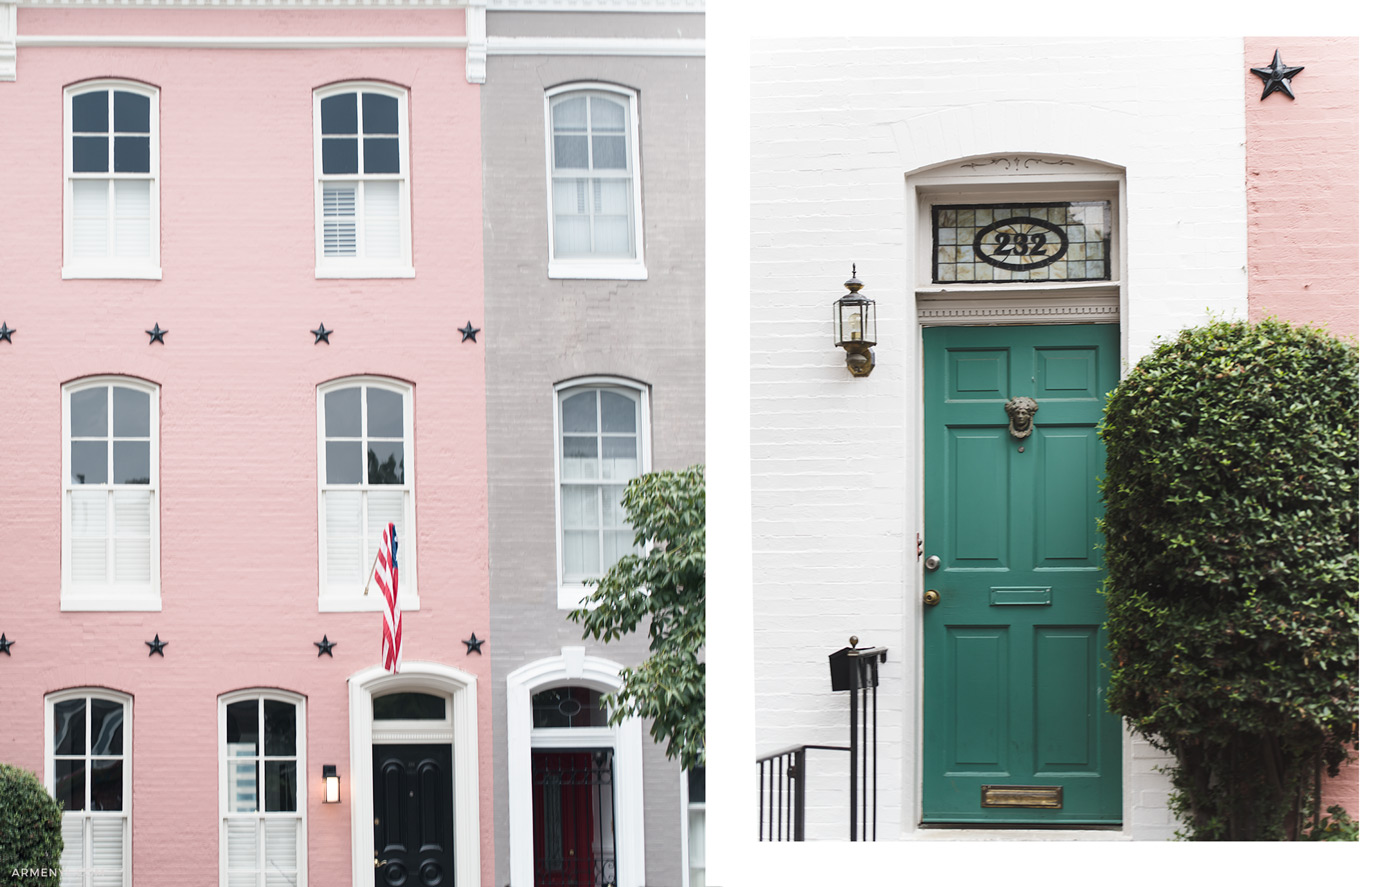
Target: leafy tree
{"x": 664, "y": 587}
{"x": 31, "y": 837}
{"x": 1232, "y": 578}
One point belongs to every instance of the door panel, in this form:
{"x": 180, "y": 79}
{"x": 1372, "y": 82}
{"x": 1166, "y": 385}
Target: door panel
{"x": 1014, "y": 678}
{"x": 413, "y": 816}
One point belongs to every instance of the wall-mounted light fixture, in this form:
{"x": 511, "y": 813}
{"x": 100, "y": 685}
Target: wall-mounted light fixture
{"x": 853, "y": 321}
{"x": 332, "y": 784}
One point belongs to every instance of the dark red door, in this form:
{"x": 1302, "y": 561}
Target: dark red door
{"x": 573, "y": 816}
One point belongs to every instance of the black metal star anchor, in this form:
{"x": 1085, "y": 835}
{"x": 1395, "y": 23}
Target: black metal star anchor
{"x": 322, "y": 335}
{"x": 5, "y": 333}
{"x": 474, "y": 645}
{"x": 468, "y": 331}
{"x": 5, "y": 645}
{"x": 325, "y": 646}
{"x": 1277, "y": 77}
{"x": 157, "y": 646}
{"x": 157, "y": 335}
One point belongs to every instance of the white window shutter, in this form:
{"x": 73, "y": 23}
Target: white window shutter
{"x": 382, "y": 220}
{"x": 242, "y": 847}
{"x": 281, "y": 851}
{"x": 132, "y": 543}
{"x": 74, "y": 843}
{"x": 88, "y": 543}
{"x": 344, "y": 537}
{"x": 108, "y": 851}
{"x": 90, "y": 218}
{"x": 338, "y": 219}
{"x": 132, "y": 219}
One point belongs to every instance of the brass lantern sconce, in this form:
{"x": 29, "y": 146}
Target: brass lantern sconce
{"x": 332, "y": 784}
{"x": 853, "y": 322}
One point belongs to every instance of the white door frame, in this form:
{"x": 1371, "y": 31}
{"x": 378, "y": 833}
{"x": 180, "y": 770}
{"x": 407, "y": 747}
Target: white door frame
{"x": 415, "y": 676}
{"x": 573, "y": 667}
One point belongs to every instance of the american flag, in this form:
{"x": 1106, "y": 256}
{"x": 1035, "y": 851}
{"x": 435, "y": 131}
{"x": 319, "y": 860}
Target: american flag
{"x": 386, "y": 574}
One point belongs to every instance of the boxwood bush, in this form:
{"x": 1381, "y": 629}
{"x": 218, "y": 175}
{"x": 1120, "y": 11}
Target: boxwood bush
{"x": 1230, "y": 547}
{"x": 31, "y": 837}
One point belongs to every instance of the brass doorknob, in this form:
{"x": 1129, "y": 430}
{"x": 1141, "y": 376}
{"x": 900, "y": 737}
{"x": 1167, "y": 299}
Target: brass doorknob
{"x": 377, "y": 863}
{"x": 931, "y": 598}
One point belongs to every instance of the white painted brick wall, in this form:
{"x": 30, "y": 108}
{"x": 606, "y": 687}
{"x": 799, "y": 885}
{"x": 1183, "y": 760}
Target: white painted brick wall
{"x": 836, "y": 126}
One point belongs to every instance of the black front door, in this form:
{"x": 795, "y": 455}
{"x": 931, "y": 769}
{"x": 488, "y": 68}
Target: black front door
{"x": 413, "y": 816}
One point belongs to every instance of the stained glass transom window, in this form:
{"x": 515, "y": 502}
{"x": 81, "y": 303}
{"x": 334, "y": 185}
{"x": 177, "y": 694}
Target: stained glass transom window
{"x": 1017, "y": 242}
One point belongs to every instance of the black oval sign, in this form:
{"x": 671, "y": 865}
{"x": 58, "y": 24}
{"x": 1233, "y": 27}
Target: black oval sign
{"x": 1017, "y": 249}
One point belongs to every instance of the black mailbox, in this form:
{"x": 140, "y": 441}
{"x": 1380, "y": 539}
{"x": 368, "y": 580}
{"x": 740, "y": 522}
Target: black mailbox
{"x": 866, "y": 675}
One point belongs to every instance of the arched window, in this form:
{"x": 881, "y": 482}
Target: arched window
{"x": 362, "y": 192}
{"x": 602, "y": 442}
{"x": 111, "y": 150}
{"x": 595, "y": 205}
{"x": 88, "y": 770}
{"x": 365, "y": 462}
{"x": 111, "y": 491}
{"x": 262, "y": 789}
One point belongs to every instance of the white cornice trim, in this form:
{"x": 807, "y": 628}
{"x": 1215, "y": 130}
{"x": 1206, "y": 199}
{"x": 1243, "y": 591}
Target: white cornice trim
{"x": 691, "y": 6}
{"x": 615, "y": 46}
{"x": 632, "y": 46}
{"x": 8, "y": 21}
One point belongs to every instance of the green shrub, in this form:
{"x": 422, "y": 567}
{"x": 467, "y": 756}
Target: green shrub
{"x": 31, "y": 836}
{"x": 1230, "y": 547}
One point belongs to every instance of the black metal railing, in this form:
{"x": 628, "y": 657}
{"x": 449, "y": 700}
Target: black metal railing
{"x": 782, "y": 793}
{"x": 782, "y": 775}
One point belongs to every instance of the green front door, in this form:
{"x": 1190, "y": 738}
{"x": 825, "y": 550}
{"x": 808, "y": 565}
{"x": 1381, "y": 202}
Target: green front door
{"x": 1015, "y": 729}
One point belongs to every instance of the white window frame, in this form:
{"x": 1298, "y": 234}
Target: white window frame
{"x": 110, "y": 595}
{"x": 611, "y": 268}
{"x": 571, "y": 594}
{"x": 342, "y": 598}
{"x": 111, "y": 267}
{"x": 573, "y": 667}
{"x": 90, "y": 693}
{"x": 360, "y": 266}
{"x": 262, "y": 693}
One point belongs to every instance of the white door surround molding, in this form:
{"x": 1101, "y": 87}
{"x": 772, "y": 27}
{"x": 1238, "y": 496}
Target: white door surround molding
{"x": 573, "y": 667}
{"x": 414, "y": 676}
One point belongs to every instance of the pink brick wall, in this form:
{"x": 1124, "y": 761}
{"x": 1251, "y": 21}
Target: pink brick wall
{"x": 1303, "y": 190}
{"x": 238, "y": 379}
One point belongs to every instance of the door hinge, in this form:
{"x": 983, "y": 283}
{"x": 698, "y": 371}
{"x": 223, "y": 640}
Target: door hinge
{"x": 918, "y": 545}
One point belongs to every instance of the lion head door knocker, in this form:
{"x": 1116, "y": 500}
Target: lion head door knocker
{"x": 1022, "y": 413}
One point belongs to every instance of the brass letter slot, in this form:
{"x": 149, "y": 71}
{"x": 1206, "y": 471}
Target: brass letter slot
{"x": 1048, "y": 796}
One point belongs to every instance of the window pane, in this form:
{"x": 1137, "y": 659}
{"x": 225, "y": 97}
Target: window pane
{"x": 386, "y": 462}
{"x": 243, "y": 728}
{"x": 131, "y": 112}
{"x": 132, "y": 154}
{"x": 572, "y": 236}
{"x": 131, "y": 411}
{"x": 613, "y": 196}
{"x": 343, "y": 413}
{"x": 89, "y": 462}
{"x": 106, "y": 727}
{"x": 384, "y": 507}
{"x": 570, "y": 152}
{"x": 90, "y": 112}
{"x": 580, "y": 461}
{"x": 612, "y": 236}
{"x": 568, "y": 707}
{"x": 281, "y": 727}
{"x": 338, "y": 114}
{"x": 344, "y": 462}
{"x": 131, "y": 461}
{"x": 70, "y": 727}
{"x": 580, "y": 412}
{"x": 70, "y": 784}
{"x": 616, "y": 543}
{"x": 580, "y": 555}
{"x": 614, "y": 515}
{"x": 385, "y": 412}
{"x": 89, "y": 154}
{"x": 242, "y": 790}
{"x": 619, "y": 458}
{"x": 609, "y": 152}
{"x": 571, "y": 115}
{"x": 619, "y": 412}
{"x": 280, "y": 783}
{"x": 88, "y": 412}
{"x": 340, "y": 156}
{"x": 381, "y": 155}
{"x": 608, "y": 115}
{"x": 410, "y": 707}
{"x": 107, "y": 784}
{"x": 381, "y": 113}
{"x": 579, "y": 506}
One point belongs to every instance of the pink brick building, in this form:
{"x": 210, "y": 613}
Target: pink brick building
{"x": 239, "y": 177}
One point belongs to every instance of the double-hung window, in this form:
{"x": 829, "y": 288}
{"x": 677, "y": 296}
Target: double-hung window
{"x": 262, "y": 789}
{"x": 366, "y": 482}
{"x": 111, "y": 150}
{"x": 111, "y": 536}
{"x": 88, "y": 770}
{"x": 602, "y": 443}
{"x": 362, "y": 192}
{"x": 595, "y": 201}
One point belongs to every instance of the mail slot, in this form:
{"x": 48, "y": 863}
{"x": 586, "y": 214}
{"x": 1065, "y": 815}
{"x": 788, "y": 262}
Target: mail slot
{"x": 1020, "y": 597}
{"x": 1045, "y": 796}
